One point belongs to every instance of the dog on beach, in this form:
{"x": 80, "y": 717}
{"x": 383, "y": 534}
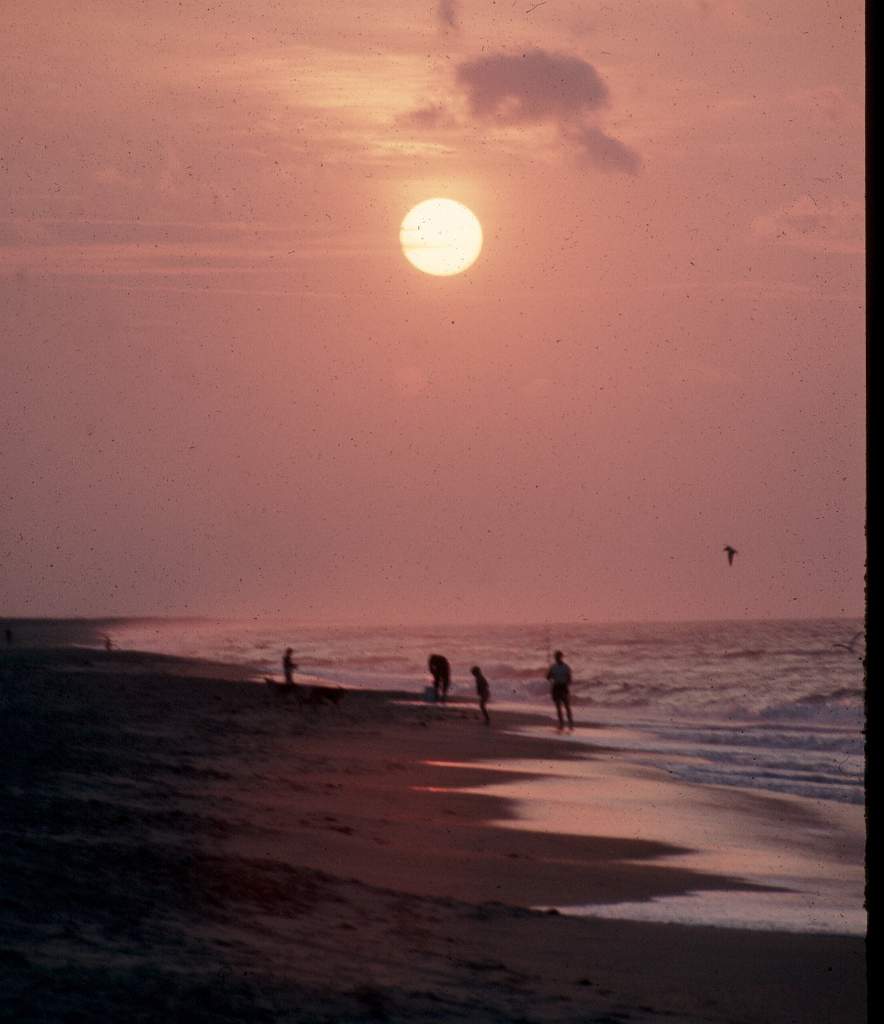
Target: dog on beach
{"x": 313, "y": 695}
{"x": 324, "y": 695}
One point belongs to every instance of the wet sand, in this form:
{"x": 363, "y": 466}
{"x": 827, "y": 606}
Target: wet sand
{"x": 180, "y": 843}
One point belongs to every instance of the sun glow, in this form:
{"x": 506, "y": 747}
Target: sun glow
{"x": 441, "y": 237}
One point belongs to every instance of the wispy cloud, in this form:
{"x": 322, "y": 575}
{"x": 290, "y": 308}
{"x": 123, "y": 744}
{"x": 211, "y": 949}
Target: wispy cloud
{"x": 448, "y": 14}
{"x": 432, "y": 115}
{"x": 604, "y": 151}
{"x": 222, "y": 252}
{"x": 821, "y": 224}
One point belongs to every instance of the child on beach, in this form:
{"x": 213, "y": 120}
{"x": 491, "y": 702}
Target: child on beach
{"x": 483, "y": 690}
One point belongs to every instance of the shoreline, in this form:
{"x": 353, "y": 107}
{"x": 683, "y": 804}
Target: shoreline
{"x": 805, "y": 856}
{"x": 168, "y": 821}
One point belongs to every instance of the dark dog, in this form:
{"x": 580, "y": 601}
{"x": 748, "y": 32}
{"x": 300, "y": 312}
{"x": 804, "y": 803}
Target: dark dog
{"x": 313, "y": 695}
{"x": 324, "y": 695}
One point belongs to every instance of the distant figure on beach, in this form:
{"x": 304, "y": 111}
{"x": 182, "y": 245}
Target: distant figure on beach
{"x": 560, "y": 676}
{"x": 730, "y": 553}
{"x": 483, "y": 690}
{"x": 440, "y": 670}
{"x": 289, "y": 666}
{"x": 108, "y": 643}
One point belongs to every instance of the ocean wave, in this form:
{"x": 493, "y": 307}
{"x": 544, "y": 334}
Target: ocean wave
{"x": 841, "y": 694}
{"x": 841, "y": 792}
{"x": 786, "y": 652}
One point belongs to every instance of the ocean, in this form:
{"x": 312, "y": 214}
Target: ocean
{"x": 772, "y": 705}
{"x": 741, "y": 743}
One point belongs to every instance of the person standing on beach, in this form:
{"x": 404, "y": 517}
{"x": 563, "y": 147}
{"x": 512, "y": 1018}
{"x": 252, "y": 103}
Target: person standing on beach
{"x": 483, "y": 691}
{"x": 560, "y": 676}
{"x": 440, "y": 670}
{"x": 289, "y": 666}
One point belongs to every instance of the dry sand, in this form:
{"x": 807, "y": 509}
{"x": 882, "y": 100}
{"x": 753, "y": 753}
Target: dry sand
{"x": 181, "y": 844}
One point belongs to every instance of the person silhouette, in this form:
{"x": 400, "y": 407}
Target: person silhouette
{"x": 559, "y": 675}
{"x": 440, "y": 670}
{"x": 730, "y": 553}
{"x": 289, "y": 666}
{"x": 483, "y": 691}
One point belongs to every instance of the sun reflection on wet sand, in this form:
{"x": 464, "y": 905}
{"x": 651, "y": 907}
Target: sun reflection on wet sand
{"x": 809, "y": 852}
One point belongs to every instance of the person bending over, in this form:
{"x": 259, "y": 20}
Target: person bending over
{"x": 440, "y": 670}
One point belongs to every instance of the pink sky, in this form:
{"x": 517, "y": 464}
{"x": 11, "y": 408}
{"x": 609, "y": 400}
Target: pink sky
{"x": 225, "y": 390}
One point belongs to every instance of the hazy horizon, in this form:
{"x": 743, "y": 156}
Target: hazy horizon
{"x": 228, "y": 393}
{"x": 416, "y": 624}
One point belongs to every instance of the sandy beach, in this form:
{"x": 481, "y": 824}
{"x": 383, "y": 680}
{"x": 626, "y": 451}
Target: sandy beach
{"x": 181, "y": 843}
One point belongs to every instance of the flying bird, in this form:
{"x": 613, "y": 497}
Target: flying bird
{"x": 851, "y": 643}
{"x": 730, "y": 553}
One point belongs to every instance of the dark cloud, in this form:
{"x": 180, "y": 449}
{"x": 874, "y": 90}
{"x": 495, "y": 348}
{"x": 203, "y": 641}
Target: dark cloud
{"x": 534, "y": 86}
{"x": 604, "y": 151}
{"x": 448, "y": 13}
{"x": 539, "y": 87}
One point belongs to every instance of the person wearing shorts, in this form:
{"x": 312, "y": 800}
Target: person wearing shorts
{"x": 560, "y": 676}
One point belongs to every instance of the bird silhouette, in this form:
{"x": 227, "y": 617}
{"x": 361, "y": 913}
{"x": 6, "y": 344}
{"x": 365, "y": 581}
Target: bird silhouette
{"x": 851, "y": 643}
{"x": 730, "y": 553}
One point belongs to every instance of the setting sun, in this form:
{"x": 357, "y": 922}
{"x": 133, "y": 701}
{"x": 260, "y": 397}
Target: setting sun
{"x": 441, "y": 237}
